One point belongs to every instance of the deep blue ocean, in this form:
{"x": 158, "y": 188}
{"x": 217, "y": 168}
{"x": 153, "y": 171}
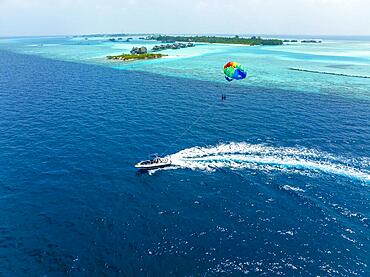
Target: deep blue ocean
{"x": 269, "y": 182}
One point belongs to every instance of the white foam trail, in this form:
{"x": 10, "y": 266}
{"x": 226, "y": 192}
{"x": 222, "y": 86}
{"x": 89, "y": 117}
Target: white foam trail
{"x": 296, "y": 189}
{"x": 244, "y": 155}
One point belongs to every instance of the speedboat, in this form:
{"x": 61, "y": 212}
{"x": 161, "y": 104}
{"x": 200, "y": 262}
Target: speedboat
{"x": 155, "y": 163}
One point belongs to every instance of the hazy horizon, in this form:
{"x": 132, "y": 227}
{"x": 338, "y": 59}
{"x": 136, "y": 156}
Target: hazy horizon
{"x": 270, "y": 17}
{"x": 282, "y": 36}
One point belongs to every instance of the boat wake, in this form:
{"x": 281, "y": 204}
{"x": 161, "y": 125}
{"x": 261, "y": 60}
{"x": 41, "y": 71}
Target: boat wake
{"x": 330, "y": 73}
{"x": 242, "y": 155}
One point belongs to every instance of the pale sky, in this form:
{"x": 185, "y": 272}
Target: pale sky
{"x": 296, "y": 17}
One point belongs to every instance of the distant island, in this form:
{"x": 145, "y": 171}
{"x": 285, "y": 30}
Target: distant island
{"x": 120, "y": 39}
{"x": 179, "y": 42}
{"x": 141, "y": 53}
{"x": 214, "y": 39}
{"x": 287, "y": 40}
{"x": 173, "y": 46}
{"x": 136, "y": 53}
{"x": 311, "y": 41}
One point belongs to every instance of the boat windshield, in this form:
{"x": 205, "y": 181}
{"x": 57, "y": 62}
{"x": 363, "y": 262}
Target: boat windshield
{"x": 154, "y": 161}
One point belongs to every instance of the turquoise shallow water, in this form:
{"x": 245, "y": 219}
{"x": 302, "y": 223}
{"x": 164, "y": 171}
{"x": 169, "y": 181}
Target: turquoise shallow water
{"x": 273, "y": 181}
{"x": 267, "y": 66}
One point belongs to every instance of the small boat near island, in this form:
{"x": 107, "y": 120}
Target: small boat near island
{"x": 155, "y": 163}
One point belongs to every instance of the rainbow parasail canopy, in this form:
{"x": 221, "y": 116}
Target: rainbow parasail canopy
{"x": 234, "y": 71}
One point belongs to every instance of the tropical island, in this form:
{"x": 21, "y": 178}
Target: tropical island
{"x": 134, "y": 57}
{"x": 311, "y": 41}
{"x": 172, "y": 46}
{"x": 215, "y": 39}
{"x": 136, "y": 53}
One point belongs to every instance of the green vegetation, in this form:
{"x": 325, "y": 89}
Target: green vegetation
{"x": 311, "y": 41}
{"x": 134, "y": 57}
{"x": 213, "y": 39}
{"x": 293, "y": 40}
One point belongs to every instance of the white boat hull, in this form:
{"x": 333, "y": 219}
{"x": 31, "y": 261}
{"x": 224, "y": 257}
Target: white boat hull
{"x": 153, "y": 164}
